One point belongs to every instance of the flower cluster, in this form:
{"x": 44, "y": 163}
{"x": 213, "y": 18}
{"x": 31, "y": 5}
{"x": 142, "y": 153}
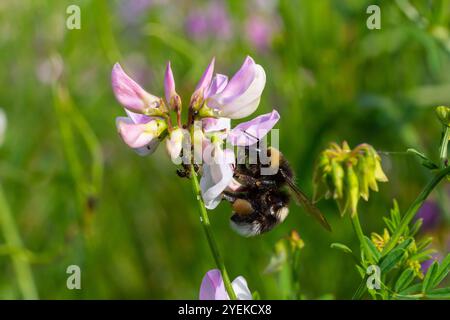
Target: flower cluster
{"x": 215, "y": 101}
{"x": 346, "y": 175}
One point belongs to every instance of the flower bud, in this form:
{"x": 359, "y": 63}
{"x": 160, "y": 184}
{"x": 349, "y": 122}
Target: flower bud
{"x": 353, "y": 190}
{"x": 172, "y": 97}
{"x": 174, "y": 144}
{"x": 346, "y": 175}
{"x": 443, "y": 114}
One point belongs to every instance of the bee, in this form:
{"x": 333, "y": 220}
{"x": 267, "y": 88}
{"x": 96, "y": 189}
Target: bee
{"x": 261, "y": 201}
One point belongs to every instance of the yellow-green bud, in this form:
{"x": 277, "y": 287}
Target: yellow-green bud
{"x": 443, "y": 114}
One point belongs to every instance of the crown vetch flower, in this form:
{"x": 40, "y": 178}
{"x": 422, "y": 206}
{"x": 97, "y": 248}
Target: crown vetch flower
{"x": 241, "y": 95}
{"x": 140, "y": 132}
{"x": 213, "y": 288}
{"x": 214, "y": 102}
{"x": 132, "y": 96}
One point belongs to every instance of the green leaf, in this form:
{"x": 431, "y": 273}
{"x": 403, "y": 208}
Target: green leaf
{"x": 415, "y": 288}
{"x": 422, "y": 244}
{"x": 389, "y": 224}
{"x": 422, "y": 256}
{"x": 429, "y": 277}
{"x": 375, "y": 254}
{"x": 442, "y": 271}
{"x": 425, "y": 161}
{"x": 404, "y": 280}
{"x": 441, "y": 293}
{"x": 390, "y": 261}
{"x": 416, "y": 227}
{"x": 361, "y": 271}
{"x": 341, "y": 247}
{"x": 404, "y": 244}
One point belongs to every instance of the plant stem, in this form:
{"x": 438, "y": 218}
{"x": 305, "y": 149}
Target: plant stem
{"x": 209, "y": 235}
{"x": 20, "y": 263}
{"x": 407, "y": 218}
{"x": 443, "y": 148}
{"x": 360, "y": 234}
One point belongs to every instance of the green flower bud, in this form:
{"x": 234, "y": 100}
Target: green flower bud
{"x": 362, "y": 173}
{"x": 443, "y": 114}
{"x": 338, "y": 179}
{"x": 346, "y": 175}
{"x": 353, "y": 190}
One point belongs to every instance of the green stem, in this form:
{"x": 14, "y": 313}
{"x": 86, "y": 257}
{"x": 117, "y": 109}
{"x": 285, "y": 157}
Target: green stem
{"x": 443, "y": 148}
{"x": 407, "y": 218}
{"x": 360, "y": 234}
{"x": 209, "y": 235}
{"x": 20, "y": 262}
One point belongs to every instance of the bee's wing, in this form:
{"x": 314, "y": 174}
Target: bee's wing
{"x": 307, "y": 204}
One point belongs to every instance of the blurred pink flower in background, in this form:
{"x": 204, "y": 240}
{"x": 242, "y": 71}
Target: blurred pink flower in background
{"x": 213, "y": 288}
{"x": 132, "y": 10}
{"x": 210, "y": 21}
{"x": 261, "y": 24}
{"x": 430, "y": 213}
{"x": 3, "y": 123}
{"x": 259, "y": 31}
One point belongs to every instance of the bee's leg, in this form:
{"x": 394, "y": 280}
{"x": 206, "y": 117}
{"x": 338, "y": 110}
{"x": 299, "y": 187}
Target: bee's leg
{"x": 228, "y": 197}
{"x": 232, "y": 196}
{"x": 251, "y": 182}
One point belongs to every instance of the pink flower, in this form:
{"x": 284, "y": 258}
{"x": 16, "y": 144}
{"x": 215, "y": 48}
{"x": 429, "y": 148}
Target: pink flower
{"x": 250, "y": 132}
{"x": 241, "y": 95}
{"x": 210, "y": 21}
{"x": 140, "y": 132}
{"x": 259, "y": 31}
{"x": 131, "y": 95}
{"x": 213, "y": 288}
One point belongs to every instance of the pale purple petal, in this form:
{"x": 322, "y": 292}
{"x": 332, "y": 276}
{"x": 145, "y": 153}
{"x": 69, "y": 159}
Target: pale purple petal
{"x": 241, "y": 289}
{"x": 250, "y": 132}
{"x": 240, "y": 81}
{"x": 136, "y": 135}
{"x": 218, "y": 83}
{"x": 217, "y": 174}
{"x": 216, "y": 124}
{"x": 129, "y": 93}
{"x": 205, "y": 80}
{"x": 149, "y": 148}
{"x": 212, "y": 287}
{"x": 169, "y": 83}
{"x": 242, "y": 94}
{"x": 137, "y": 117}
{"x": 174, "y": 144}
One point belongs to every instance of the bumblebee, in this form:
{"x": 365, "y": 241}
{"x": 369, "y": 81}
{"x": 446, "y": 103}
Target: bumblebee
{"x": 261, "y": 200}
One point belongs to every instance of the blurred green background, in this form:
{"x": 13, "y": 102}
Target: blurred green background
{"x": 79, "y": 196}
